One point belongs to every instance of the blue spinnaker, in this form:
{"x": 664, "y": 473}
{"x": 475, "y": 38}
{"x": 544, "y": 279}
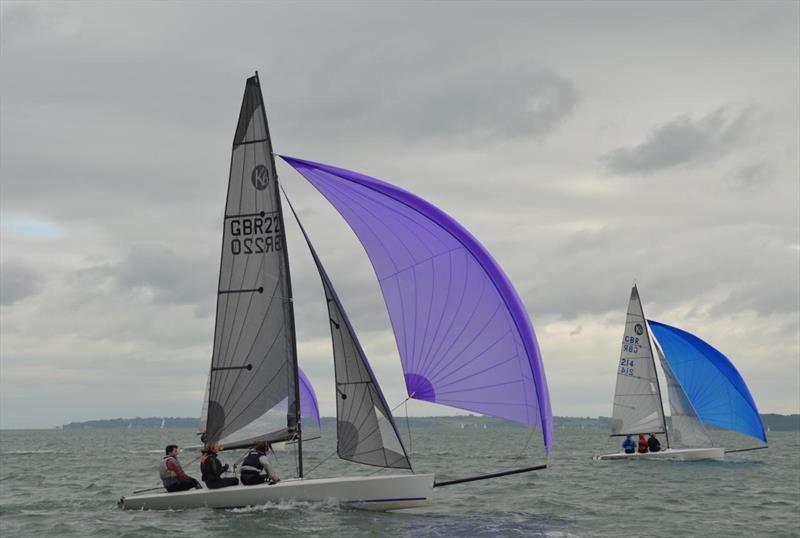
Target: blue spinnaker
{"x": 463, "y": 334}
{"x": 716, "y": 389}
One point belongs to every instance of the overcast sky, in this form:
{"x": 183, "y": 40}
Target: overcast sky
{"x": 588, "y": 146}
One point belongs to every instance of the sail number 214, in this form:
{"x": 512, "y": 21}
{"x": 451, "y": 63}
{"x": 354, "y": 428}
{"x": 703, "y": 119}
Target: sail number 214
{"x": 625, "y": 367}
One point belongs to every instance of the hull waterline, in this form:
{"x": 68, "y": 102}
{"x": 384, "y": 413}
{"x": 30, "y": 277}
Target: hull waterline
{"x": 678, "y": 454}
{"x": 368, "y": 492}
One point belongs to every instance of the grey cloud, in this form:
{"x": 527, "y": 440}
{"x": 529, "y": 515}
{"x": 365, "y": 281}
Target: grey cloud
{"x": 779, "y": 294}
{"x": 494, "y": 102}
{"x": 754, "y": 176}
{"x": 479, "y": 103}
{"x": 173, "y": 277}
{"x": 590, "y": 272}
{"x": 17, "y": 282}
{"x": 684, "y": 141}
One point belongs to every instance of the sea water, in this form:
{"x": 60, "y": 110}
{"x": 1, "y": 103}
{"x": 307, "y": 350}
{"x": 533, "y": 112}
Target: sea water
{"x": 67, "y": 483}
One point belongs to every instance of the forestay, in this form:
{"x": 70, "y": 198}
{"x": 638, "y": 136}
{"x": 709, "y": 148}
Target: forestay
{"x": 365, "y": 428}
{"x": 252, "y": 390}
{"x": 715, "y": 388}
{"x": 637, "y": 399}
{"x": 685, "y": 428}
{"x": 463, "y": 334}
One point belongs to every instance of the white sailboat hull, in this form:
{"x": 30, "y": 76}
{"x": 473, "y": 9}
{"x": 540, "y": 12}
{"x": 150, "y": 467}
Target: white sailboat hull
{"x": 365, "y": 492}
{"x": 680, "y": 454}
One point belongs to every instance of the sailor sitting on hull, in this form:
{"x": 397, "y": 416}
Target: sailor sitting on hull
{"x": 254, "y": 463}
{"x": 653, "y": 444}
{"x": 642, "y": 446}
{"x": 629, "y": 445}
{"x": 212, "y": 468}
{"x": 172, "y": 474}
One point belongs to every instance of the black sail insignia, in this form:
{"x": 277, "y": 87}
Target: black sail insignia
{"x": 252, "y": 388}
{"x": 365, "y": 428}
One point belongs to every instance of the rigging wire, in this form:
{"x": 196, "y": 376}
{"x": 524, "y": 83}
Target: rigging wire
{"x": 326, "y": 458}
{"x": 408, "y": 427}
{"x": 530, "y": 436}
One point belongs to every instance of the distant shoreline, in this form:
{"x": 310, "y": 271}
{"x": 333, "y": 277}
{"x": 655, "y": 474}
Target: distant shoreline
{"x": 772, "y": 421}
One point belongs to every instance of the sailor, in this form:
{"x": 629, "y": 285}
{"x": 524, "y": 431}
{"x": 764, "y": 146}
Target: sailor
{"x": 653, "y": 444}
{"x": 642, "y": 444}
{"x": 212, "y": 468}
{"x": 172, "y": 474}
{"x": 629, "y": 445}
{"x": 254, "y": 463}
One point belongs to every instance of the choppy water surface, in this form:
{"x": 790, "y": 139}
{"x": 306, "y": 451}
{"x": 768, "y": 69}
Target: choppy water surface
{"x": 67, "y": 483}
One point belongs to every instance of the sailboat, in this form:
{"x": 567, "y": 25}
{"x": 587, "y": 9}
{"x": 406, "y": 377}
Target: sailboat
{"x": 463, "y": 335}
{"x": 703, "y": 387}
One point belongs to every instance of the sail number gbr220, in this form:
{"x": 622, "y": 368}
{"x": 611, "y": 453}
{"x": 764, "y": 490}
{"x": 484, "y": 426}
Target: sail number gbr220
{"x": 255, "y": 235}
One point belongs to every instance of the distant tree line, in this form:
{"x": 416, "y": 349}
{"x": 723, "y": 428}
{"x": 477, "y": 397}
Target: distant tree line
{"x": 138, "y": 422}
{"x": 772, "y": 421}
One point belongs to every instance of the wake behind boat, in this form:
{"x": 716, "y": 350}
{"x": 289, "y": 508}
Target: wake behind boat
{"x": 703, "y": 388}
{"x": 463, "y": 335}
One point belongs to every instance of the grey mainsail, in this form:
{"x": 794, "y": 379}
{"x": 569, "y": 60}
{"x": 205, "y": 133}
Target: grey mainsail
{"x": 637, "y": 398}
{"x": 685, "y": 429}
{"x": 365, "y": 428}
{"x": 252, "y": 387}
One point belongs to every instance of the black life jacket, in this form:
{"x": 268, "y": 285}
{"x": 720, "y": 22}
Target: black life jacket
{"x": 251, "y": 463}
{"x": 211, "y": 467}
{"x": 654, "y": 444}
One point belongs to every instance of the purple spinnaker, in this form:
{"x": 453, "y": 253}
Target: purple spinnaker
{"x": 464, "y": 336}
{"x": 309, "y": 408}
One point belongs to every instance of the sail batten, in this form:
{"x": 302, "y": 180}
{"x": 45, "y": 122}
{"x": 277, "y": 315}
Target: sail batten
{"x": 452, "y": 309}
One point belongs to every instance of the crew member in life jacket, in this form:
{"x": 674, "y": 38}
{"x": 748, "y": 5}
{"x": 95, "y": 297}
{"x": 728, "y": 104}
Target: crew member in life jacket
{"x": 212, "y": 468}
{"x": 629, "y": 445}
{"x": 653, "y": 444}
{"x": 642, "y": 444}
{"x": 172, "y": 474}
{"x": 255, "y": 463}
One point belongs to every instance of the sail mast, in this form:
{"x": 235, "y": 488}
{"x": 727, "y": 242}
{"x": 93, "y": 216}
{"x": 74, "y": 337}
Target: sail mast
{"x": 655, "y": 372}
{"x": 292, "y": 330}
